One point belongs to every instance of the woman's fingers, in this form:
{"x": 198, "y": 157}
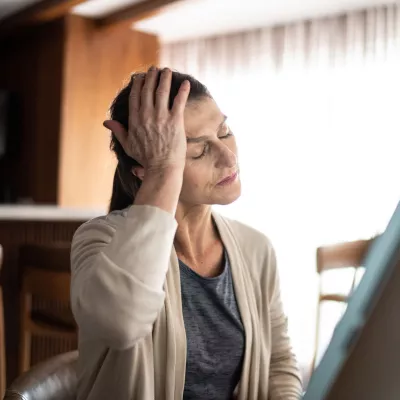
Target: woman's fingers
{"x": 134, "y": 97}
{"x": 148, "y": 90}
{"x": 163, "y": 91}
{"x": 181, "y": 98}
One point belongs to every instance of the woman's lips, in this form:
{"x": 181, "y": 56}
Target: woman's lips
{"x": 228, "y": 180}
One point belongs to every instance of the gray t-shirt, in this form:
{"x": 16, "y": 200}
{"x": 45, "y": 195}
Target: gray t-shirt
{"x": 215, "y": 335}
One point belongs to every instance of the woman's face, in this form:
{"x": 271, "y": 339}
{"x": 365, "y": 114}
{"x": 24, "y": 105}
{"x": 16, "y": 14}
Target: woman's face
{"x": 211, "y": 173}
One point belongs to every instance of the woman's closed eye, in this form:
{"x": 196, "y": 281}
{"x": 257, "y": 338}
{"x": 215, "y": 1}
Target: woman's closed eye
{"x": 203, "y": 153}
{"x": 207, "y": 145}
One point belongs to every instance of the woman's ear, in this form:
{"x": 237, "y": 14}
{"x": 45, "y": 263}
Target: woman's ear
{"x": 138, "y": 172}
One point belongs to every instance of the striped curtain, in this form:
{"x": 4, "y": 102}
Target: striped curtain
{"x": 315, "y": 109}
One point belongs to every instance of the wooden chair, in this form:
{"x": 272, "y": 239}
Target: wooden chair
{"x": 2, "y": 339}
{"x": 336, "y": 257}
{"x": 47, "y": 325}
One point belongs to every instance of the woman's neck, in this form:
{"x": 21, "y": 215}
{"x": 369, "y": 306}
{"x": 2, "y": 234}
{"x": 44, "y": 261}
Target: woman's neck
{"x": 196, "y": 235}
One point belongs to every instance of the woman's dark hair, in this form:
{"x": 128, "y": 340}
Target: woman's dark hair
{"x": 125, "y": 184}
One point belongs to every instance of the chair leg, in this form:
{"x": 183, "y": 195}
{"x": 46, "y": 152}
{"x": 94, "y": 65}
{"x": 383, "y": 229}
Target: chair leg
{"x": 25, "y": 352}
{"x": 25, "y": 334}
{"x": 317, "y": 327}
{"x": 316, "y": 344}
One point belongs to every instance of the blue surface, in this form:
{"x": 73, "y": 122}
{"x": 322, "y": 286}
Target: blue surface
{"x": 379, "y": 264}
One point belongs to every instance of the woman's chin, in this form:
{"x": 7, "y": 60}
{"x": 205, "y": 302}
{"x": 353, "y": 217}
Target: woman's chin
{"x": 225, "y": 197}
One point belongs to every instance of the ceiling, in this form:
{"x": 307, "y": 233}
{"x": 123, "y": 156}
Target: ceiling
{"x": 100, "y": 8}
{"x": 90, "y": 8}
{"x": 197, "y": 18}
{"x": 8, "y": 7}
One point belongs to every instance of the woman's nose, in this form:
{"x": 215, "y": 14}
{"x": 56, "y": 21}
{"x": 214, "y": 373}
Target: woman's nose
{"x": 226, "y": 158}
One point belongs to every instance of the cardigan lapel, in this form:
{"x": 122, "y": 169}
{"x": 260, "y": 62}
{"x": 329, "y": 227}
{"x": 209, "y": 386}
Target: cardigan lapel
{"x": 175, "y": 332}
{"x": 247, "y": 307}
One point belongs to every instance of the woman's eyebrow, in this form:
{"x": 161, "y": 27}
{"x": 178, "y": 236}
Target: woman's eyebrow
{"x": 203, "y": 138}
{"x": 197, "y": 139}
{"x": 222, "y": 123}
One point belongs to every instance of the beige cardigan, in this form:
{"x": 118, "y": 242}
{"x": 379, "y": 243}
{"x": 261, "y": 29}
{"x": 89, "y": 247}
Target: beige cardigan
{"x": 126, "y": 299}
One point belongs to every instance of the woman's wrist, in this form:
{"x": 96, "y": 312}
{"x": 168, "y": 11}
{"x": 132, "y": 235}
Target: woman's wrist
{"x": 161, "y": 188}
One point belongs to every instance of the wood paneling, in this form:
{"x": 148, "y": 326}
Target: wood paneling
{"x": 97, "y": 64}
{"x": 66, "y": 73}
{"x": 31, "y": 66}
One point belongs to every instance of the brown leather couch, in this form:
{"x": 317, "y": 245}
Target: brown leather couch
{"x": 54, "y": 379}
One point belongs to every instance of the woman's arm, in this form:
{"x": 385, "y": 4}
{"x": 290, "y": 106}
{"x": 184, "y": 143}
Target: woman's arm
{"x": 119, "y": 264}
{"x": 284, "y": 379}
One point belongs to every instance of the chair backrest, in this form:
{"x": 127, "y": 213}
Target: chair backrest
{"x": 342, "y": 255}
{"x": 337, "y": 257}
{"x": 46, "y": 284}
{"x": 52, "y": 256}
{"x": 46, "y": 321}
{"x": 54, "y": 379}
{"x": 2, "y": 338}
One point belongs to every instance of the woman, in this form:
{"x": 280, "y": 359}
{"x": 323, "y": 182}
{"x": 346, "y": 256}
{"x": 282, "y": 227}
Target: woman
{"x": 172, "y": 300}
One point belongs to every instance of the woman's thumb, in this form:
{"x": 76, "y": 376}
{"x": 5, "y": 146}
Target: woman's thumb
{"x": 116, "y": 128}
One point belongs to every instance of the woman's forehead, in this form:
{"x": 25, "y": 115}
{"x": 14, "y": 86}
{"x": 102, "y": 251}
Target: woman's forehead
{"x": 202, "y": 116}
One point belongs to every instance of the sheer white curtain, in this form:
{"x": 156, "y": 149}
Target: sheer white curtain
{"x": 315, "y": 109}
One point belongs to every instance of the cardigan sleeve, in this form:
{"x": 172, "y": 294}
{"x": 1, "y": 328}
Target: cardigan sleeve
{"x": 284, "y": 378}
{"x": 118, "y": 268}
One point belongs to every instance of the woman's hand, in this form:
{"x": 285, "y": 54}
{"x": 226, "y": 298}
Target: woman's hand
{"x": 156, "y": 139}
{"x": 156, "y": 135}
